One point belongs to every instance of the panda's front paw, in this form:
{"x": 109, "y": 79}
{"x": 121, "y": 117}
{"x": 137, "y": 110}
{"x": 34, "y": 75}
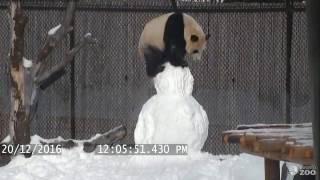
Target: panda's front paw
{"x": 152, "y": 72}
{"x": 174, "y": 63}
{"x": 184, "y": 63}
{"x": 160, "y": 69}
{"x": 181, "y": 63}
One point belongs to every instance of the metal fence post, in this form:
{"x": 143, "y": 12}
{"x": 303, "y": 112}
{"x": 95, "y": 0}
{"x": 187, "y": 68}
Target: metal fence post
{"x": 289, "y": 14}
{"x": 313, "y": 7}
{"x": 72, "y": 85}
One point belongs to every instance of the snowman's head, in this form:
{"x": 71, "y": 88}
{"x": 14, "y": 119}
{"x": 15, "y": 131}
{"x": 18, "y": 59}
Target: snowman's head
{"x": 174, "y": 80}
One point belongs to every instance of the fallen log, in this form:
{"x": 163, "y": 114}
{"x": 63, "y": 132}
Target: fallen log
{"x": 4, "y": 158}
{"x": 111, "y": 137}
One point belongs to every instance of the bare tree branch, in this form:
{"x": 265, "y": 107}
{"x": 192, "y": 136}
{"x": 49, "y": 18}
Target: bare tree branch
{"x": 42, "y": 78}
{"x": 28, "y": 77}
{"x": 54, "y": 39}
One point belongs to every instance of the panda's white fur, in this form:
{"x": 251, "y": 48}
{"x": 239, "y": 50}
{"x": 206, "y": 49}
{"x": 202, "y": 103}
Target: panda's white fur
{"x": 152, "y": 33}
{"x": 152, "y": 45}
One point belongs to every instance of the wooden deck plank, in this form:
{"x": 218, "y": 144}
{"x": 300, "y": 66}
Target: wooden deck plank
{"x": 288, "y": 142}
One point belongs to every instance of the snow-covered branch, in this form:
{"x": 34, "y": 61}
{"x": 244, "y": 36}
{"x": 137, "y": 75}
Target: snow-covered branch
{"x": 26, "y": 63}
{"x": 55, "y": 35}
{"x": 111, "y": 137}
{"x": 54, "y": 30}
{"x": 27, "y": 76}
{"x": 43, "y": 78}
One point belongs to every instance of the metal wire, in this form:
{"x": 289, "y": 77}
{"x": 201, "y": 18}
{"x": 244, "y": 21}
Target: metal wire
{"x": 241, "y": 80}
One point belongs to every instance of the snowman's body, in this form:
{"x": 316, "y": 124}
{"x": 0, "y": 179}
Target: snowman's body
{"x": 173, "y": 116}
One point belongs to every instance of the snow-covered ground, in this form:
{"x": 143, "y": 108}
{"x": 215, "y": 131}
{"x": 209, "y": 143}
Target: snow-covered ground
{"x": 75, "y": 164}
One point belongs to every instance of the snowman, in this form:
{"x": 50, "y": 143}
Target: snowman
{"x": 172, "y": 115}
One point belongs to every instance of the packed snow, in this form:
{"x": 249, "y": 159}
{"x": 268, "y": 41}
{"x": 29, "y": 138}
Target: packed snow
{"x": 75, "y": 164}
{"x": 54, "y": 30}
{"x": 26, "y": 63}
{"x": 173, "y": 105}
{"x": 173, "y": 116}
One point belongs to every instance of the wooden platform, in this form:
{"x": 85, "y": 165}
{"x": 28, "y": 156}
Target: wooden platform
{"x": 274, "y": 142}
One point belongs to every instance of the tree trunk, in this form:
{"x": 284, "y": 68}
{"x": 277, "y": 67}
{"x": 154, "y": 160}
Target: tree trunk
{"x": 19, "y": 75}
{"x": 27, "y": 77}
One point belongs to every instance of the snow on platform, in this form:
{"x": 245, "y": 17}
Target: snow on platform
{"x": 75, "y": 164}
{"x": 284, "y": 142}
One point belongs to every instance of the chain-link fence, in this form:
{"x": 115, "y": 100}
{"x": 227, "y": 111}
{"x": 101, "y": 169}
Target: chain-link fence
{"x": 243, "y": 78}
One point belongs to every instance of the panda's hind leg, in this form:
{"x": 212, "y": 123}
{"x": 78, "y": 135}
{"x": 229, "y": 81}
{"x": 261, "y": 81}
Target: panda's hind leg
{"x": 154, "y": 60}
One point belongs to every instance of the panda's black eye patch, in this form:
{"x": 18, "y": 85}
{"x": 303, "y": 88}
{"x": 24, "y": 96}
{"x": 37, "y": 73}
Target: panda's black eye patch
{"x": 194, "y": 38}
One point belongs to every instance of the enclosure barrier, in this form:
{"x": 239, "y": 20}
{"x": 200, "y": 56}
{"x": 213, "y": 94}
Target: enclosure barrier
{"x": 254, "y": 70}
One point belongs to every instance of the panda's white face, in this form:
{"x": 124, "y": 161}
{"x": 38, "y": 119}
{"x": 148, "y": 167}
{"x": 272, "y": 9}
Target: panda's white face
{"x": 196, "y": 56}
{"x": 196, "y": 46}
{"x": 196, "y": 40}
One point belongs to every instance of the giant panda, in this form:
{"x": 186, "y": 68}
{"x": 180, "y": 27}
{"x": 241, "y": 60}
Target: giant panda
{"x": 168, "y": 38}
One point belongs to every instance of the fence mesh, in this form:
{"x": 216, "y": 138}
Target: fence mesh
{"x": 301, "y": 82}
{"x": 241, "y": 80}
{"x": 4, "y": 70}
{"x": 53, "y": 117}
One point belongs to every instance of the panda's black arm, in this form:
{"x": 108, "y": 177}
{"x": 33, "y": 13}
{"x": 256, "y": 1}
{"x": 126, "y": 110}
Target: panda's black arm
{"x": 176, "y": 56}
{"x": 154, "y": 60}
{"x": 153, "y": 67}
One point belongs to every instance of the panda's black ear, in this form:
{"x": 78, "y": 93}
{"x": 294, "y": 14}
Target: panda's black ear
{"x": 194, "y": 38}
{"x": 208, "y": 36}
